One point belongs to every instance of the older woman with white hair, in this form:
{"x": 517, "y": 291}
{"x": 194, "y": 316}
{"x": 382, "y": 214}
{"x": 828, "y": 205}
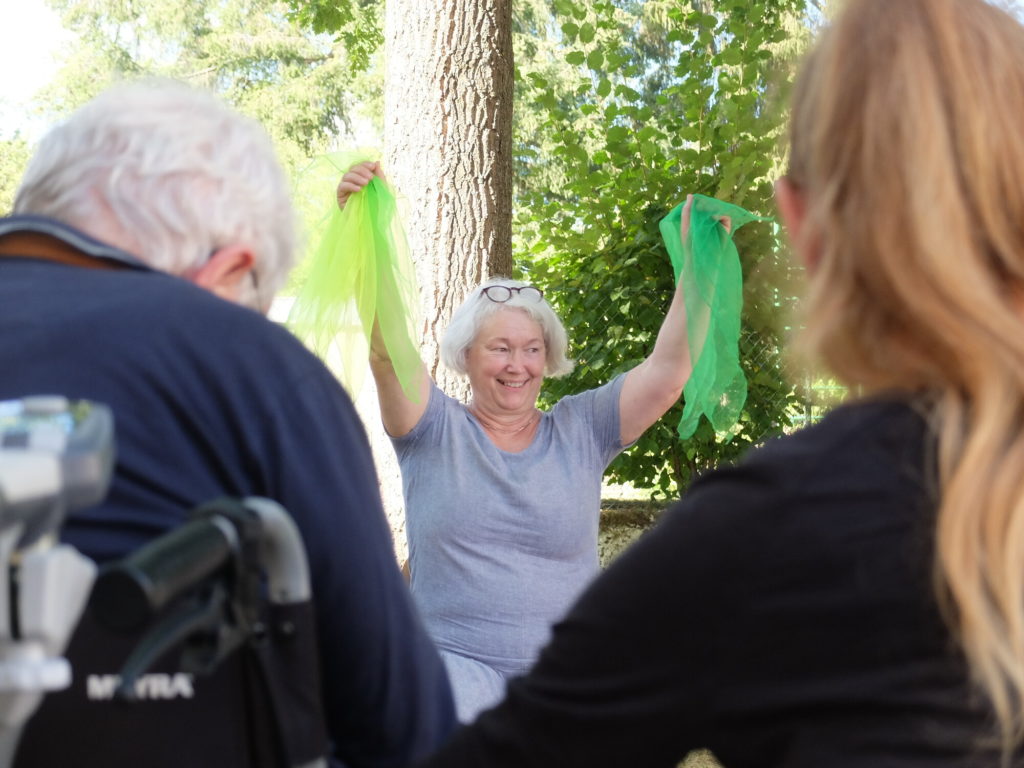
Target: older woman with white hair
{"x": 502, "y": 498}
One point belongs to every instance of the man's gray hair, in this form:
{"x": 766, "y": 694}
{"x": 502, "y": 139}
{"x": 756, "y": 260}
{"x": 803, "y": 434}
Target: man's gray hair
{"x": 171, "y": 174}
{"x": 470, "y": 316}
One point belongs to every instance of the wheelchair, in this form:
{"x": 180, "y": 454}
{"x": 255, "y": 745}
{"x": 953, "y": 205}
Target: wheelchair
{"x": 198, "y": 649}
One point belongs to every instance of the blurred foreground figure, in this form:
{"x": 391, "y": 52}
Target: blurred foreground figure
{"x": 150, "y": 233}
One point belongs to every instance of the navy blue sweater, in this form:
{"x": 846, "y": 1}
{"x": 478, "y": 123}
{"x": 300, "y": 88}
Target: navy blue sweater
{"x": 213, "y": 399}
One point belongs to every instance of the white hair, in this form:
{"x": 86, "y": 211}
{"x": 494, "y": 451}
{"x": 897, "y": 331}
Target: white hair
{"x": 170, "y": 173}
{"x": 470, "y": 316}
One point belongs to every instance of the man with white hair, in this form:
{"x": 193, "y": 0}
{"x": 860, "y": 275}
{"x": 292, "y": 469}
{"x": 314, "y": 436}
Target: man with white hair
{"x": 149, "y": 234}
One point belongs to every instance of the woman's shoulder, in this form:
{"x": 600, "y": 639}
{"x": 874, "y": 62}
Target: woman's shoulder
{"x": 599, "y": 397}
{"x": 443, "y": 414}
{"x": 864, "y": 467}
{"x": 855, "y": 436}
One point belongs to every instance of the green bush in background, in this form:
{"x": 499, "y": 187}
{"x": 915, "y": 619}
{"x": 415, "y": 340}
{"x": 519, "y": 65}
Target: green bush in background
{"x": 650, "y": 101}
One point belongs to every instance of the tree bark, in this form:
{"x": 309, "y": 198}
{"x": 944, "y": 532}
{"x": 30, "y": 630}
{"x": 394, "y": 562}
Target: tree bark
{"x": 448, "y": 148}
{"x": 448, "y": 152}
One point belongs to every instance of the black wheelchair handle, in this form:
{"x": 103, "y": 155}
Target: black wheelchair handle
{"x": 130, "y": 592}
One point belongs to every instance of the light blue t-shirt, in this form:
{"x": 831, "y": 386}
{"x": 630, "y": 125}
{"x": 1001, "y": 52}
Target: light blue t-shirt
{"x": 500, "y": 544}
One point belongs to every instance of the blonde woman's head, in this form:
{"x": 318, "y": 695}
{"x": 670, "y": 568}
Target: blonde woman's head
{"x": 905, "y": 180}
{"x": 905, "y": 198}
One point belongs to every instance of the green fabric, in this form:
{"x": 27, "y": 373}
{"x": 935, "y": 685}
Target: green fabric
{"x": 709, "y": 267}
{"x": 360, "y": 270}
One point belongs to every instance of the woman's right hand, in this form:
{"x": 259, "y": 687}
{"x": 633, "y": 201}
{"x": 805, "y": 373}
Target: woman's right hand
{"x": 357, "y": 177}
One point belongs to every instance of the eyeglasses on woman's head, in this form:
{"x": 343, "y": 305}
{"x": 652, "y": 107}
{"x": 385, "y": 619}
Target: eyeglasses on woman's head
{"x": 502, "y": 293}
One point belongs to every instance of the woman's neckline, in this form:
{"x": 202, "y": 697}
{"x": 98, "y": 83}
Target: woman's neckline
{"x": 516, "y": 440}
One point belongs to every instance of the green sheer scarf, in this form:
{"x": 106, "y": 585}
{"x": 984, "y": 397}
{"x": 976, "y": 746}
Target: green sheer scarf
{"x": 709, "y": 267}
{"x": 360, "y": 271}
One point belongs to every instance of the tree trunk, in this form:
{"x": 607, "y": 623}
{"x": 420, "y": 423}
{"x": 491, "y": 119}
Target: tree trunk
{"x": 448, "y": 147}
{"x": 448, "y": 152}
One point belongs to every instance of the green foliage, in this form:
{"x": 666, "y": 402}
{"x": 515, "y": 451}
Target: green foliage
{"x": 355, "y": 23}
{"x": 14, "y": 154}
{"x": 255, "y": 53}
{"x": 638, "y": 103}
{"x": 308, "y": 88}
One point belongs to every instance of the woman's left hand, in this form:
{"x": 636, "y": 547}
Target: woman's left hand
{"x": 684, "y": 220}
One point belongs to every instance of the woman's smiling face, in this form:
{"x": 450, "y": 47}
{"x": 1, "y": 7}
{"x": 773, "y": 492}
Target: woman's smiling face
{"x": 506, "y": 362}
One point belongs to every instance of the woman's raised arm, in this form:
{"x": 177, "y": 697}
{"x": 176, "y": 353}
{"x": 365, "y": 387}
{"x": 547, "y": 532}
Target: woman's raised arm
{"x": 656, "y": 384}
{"x": 399, "y": 413}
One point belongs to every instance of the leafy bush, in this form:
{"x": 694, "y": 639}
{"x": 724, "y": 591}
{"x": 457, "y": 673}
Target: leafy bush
{"x": 651, "y": 101}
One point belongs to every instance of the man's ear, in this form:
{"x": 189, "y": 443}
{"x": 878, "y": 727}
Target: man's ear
{"x": 225, "y": 271}
{"x": 792, "y": 205}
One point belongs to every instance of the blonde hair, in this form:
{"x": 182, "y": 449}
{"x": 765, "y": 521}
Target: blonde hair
{"x": 907, "y": 144}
